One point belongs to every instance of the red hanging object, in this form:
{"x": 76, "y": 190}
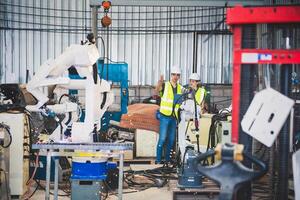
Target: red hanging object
{"x": 106, "y": 21}
{"x": 106, "y": 5}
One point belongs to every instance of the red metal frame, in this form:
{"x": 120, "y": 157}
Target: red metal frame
{"x": 236, "y": 18}
{"x": 263, "y": 15}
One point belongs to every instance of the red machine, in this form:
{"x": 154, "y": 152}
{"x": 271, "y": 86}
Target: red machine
{"x": 236, "y": 18}
{"x": 243, "y": 22}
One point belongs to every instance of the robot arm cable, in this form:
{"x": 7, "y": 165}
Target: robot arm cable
{"x": 7, "y": 130}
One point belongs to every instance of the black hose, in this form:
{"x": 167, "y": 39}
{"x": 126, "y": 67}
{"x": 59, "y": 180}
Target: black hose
{"x": 103, "y": 100}
{"x": 187, "y": 128}
{"x": 69, "y": 118}
{"x": 95, "y": 73}
{"x": 63, "y": 95}
{"x": 61, "y": 130}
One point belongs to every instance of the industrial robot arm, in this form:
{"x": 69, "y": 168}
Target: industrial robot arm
{"x": 50, "y": 73}
{"x": 98, "y": 95}
{"x": 189, "y": 111}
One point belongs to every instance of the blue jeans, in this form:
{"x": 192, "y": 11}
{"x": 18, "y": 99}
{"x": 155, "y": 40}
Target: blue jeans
{"x": 167, "y": 131}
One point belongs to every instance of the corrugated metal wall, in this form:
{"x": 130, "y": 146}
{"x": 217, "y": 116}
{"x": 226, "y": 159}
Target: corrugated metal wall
{"x": 150, "y": 39}
{"x": 35, "y": 30}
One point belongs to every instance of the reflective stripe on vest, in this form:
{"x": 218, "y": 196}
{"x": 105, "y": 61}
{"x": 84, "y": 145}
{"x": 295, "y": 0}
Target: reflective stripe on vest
{"x": 200, "y": 94}
{"x": 167, "y": 100}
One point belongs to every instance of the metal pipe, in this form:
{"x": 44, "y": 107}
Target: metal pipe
{"x": 121, "y": 166}
{"x": 56, "y": 178}
{"x": 48, "y": 167}
{"x": 195, "y": 51}
{"x": 94, "y": 21}
{"x": 291, "y": 129}
{"x": 170, "y": 39}
{"x": 283, "y": 172}
{"x": 246, "y": 95}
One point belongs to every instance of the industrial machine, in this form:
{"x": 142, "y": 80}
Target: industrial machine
{"x": 224, "y": 131}
{"x": 117, "y": 75}
{"x": 219, "y": 131}
{"x": 87, "y": 178}
{"x": 5, "y": 141}
{"x": 17, "y": 151}
{"x": 97, "y": 92}
{"x": 97, "y": 98}
{"x": 213, "y": 129}
{"x": 188, "y": 176}
{"x": 254, "y": 49}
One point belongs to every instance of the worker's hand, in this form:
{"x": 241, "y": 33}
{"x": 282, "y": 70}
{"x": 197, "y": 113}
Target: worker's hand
{"x": 161, "y": 79}
{"x": 159, "y": 84}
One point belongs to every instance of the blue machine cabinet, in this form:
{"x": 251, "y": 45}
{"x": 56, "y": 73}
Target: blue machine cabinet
{"x": 117, "y": 73}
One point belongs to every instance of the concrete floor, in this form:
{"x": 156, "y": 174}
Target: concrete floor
{"x": 149, "y": 194}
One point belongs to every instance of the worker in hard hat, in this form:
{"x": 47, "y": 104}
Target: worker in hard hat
{"x": 200, "y": 92}
{"x": 168, "y": 112}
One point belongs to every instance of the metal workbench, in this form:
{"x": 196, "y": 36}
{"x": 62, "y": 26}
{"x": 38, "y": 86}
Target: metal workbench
{"x": 98, "y": 149}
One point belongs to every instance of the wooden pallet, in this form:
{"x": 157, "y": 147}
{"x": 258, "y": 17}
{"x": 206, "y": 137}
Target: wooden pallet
{"x": 209, "y": 191}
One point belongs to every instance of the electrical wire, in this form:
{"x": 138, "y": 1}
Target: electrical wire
{"x": 114, "y": 19}
{"x": 117, "y": 62}
{"x": 213, "y": 132}
{"x": 193, "y": 9}
{"x": 36, "y": 164}
{"x": 103, "y": 49}
{"x": 117, "y": 31}
{"x": 163, "y": 173}
{"x": 43, "y": 188}
{"x": 29, "y": 182}
{"x": 213, "y": 19}
{"x": 133, "y": 27}
{"x": 32, "y": 194}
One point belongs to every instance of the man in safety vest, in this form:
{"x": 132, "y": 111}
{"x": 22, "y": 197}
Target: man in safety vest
{"x": 200, "y": 92}
{"x": 168, "y": 91}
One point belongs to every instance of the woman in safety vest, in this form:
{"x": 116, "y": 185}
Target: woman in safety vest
{"x": 200, "y": 92}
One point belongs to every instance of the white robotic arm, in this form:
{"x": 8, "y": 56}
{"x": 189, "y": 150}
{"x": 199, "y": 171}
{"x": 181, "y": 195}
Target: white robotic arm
{"x": 50, "y": 73}
{"x": 98, "y": 95}
{"x": 187, "y": 114}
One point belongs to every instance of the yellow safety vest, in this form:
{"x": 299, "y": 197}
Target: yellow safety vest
{"x": 167, "y": 100}
{"x": 200, "y": 95}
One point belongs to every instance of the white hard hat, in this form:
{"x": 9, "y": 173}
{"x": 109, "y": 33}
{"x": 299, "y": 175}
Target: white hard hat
{"x": 195, "y": 76}
{"x": 175, "y": 70}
